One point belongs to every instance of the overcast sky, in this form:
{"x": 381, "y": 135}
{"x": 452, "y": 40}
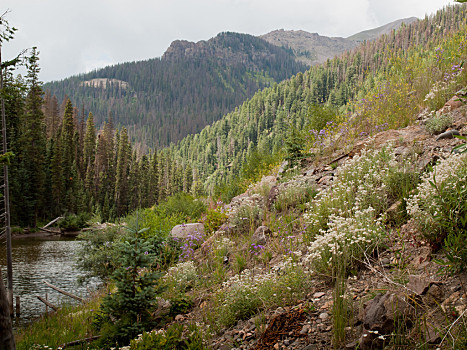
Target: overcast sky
{"x": 76, "y": 36}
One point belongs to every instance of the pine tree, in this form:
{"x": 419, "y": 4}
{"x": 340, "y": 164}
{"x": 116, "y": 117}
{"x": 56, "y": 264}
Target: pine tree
{"x": 67, "y": 154}
{"x": 33, "y": 144}
{"x": 122, "y": 174}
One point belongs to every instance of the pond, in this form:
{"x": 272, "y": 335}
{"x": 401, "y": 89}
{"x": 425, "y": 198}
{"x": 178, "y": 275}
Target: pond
{"x": 36, "y": 259}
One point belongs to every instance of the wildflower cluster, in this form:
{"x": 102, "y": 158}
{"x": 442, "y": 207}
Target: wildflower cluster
{"x": 298, "y": 190}
{"x": 346, "y": 239}
{"x": 367, "y": 180}
{"x": 181, "y": 276}
{"x": 223, "y": 247}
{"x": 243, "y": 294}
{"x": 426, "y": 207}
{"x": 190, "y": 243}
{"x": 389, "y": 104}
{"x": 176, "y": 336}
{"x": 246, "y": 216}
{"x": 256, "y": 249}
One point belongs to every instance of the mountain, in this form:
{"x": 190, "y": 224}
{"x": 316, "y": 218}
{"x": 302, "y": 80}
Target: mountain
{"x": 312, "y": 48}
{"x": 161, "y": 100}
{"x": 372, "y": 34}
{"x": 309, "y": 48}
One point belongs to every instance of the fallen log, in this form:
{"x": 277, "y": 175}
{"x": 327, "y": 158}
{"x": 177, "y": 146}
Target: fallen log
{"x": 63, "y": 292}
{"x": 53, "y": 221}
{"x": 48, "y": 303}
{"x": 80, "y": 341}
{"x": 49, "y": 231}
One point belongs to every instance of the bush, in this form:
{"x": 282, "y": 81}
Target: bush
{"x": 247, "y": 293}
{"x": 73, "y": 222}
{"x": 214, "y": 219}
{"x": 437, "y": 124}
{"x": 98, "y": 255}
{"x": 439, "y": 204}
{"x": 182, "y": 204}
{"x": 374, "y": 179}
{"x": 344, "y": 242}
{"x": 181, "y": 276}
{"x": 246, "y": 217}
{"x": 439, "y": 209}
{"x": 295, "y": 193}
{"x": 175, "y": 337}
{"x": 127, "y": 312}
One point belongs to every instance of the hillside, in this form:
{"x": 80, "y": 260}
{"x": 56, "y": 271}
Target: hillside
{"x": 312, "y": 48}
{"x": 372, "y": 34}
{"x": 161, "y": 100}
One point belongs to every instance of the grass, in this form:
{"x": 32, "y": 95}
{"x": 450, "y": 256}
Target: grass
{"x": 68, "y": 324}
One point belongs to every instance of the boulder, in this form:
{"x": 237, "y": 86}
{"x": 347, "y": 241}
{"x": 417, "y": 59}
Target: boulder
{"x": 261, "y": 235}
{"x": 182, "y": 231}
{"x": 380, "y": 316}
{"x": 448, "y": 135}
{"x": 419, "y": 285}
{"x": 451, "y": 105}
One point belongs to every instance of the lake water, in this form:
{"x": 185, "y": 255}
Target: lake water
{"x": 37, "y": 259}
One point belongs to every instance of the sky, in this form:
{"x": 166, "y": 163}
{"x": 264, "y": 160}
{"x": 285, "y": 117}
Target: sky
{"x": 77, "y": 36}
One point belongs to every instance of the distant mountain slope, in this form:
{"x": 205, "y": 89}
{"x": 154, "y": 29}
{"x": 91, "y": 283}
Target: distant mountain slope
{"x": 372, "y": 34}
{"x": 309, "y": 48}
{"x": 312, "y": 48}
{"x": 161, "y": 100}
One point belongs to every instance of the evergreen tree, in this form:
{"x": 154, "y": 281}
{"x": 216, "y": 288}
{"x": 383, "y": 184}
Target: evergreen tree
{"x": 122, "y": 174}
{"x": 33, "y": 145}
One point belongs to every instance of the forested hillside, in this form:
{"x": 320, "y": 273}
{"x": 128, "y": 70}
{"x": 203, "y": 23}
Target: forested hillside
{"x": 308, "y": 106}
{"x": 161, "y": 100}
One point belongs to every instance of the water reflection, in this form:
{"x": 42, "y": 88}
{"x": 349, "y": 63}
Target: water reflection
{"x": 36, "y": 259}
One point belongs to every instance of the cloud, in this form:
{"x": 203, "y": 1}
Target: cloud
{"x": 77, "y": 36}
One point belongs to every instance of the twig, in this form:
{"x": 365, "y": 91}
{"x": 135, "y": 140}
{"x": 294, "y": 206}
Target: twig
{"x": 79, "y": 341}
{"x": 450, "y": 327}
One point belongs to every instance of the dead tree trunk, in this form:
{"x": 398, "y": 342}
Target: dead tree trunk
{"x": 7, "y": 340}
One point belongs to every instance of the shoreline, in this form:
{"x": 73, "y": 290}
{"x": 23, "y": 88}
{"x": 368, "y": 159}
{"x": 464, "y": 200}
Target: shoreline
{"x": 42, "y": 234}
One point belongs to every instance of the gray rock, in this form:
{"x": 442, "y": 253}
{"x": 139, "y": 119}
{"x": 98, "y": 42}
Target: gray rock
{"x": 385, "y": 262}
{"x": 324, "y": 316}
{"x": 382, "y": 312}
{"x": 448, "y": 135}
{"x": 261, "y": 235}
{"x": 418, "y": 284}
{"x": 283, "y": 167}
{"x": 305, "y": 329}
{"x": 185, "y": 230}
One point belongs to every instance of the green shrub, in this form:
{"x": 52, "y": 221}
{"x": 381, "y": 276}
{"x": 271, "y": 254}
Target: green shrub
{"x": 214, "y": 219}
{"x": 440, "y": 211}
{"x": 182, "y": 204}
{"x": 437, "y": 124}
{"x": 127, "y": 312}
{"x": 174, "y": 337}
{"x": 73, "y": 222}
{"x": 246, "y": 217}
{"x": 97, "y": 256}
{"x": 246, "y": 293}
{"x": 294, "y": 194}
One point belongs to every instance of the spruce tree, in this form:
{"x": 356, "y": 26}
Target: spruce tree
{"x": 33, "y": 144}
